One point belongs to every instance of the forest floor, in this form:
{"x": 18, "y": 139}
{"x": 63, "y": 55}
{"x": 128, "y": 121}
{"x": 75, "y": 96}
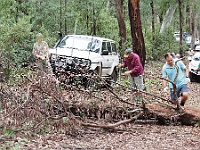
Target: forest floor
{"x": 130, "y": 137}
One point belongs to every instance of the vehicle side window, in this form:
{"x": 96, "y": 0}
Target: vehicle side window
{"x": 109, "y": 47}
{"x": 94, "y": 46}
{"x": 104, "y": 46}
{"x": 114, "y": 49}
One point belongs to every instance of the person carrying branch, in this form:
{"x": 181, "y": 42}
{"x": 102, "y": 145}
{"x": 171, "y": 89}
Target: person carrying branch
{"x": 135, "y": 71}
{"x": 170, "y": 72}
{"x": 41, "y": 54}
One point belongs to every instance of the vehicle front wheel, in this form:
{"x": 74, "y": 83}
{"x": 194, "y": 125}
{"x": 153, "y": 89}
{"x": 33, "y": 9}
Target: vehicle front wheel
{"x": 114, "y": 75}
{"x": 113, "y": 78}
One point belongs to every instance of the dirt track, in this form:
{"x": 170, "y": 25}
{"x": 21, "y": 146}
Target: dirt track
{"x": 136, "y": 137}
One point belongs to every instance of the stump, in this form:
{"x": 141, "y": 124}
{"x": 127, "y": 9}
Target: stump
{"x": 164, "y": 114}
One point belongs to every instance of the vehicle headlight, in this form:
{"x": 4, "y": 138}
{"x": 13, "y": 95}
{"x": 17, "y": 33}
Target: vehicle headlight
{"x": 84, "y": 62}
{"x": 53, "y": 57}
{"x": 76, "y": 61}
{"x": 69, "y": 60}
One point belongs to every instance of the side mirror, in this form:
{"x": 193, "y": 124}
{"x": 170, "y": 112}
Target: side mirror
{"x": 190, "y": 58}
{"x": 105, "y": 52}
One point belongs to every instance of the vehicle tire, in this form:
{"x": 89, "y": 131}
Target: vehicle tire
{"x": 112, "y": 79}
{"x": 114, "y": 75}
{"x": 98, "y": 70}
{"x": 191, "y": 76}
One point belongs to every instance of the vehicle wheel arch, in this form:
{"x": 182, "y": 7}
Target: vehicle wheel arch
{"x": 98, "y": 69}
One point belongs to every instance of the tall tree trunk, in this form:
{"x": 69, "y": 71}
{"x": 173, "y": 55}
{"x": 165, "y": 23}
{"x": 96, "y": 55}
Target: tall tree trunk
{"x": 122, "y": 27}
{"x": 153, "y": 19}
{"x": 61, "y": 16}
{"x": 153, "y": 26}
{"x": 65, "y": 17}
{"x": 188, "y": 18}
{"x": 17, "y": 13}
{"x": 93, "y": 29}
{"x": 136, "y": 29}
{"x": 180, "y": 25}
{"x": 87, "y": 19}
{"x": 193, "y": 28}
{"x": 168, "y": 18}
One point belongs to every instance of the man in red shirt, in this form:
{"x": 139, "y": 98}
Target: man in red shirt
{"x": 135, "y": 70}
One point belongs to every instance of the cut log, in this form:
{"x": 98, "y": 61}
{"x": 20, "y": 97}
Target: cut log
{"x": 186, "y": 116}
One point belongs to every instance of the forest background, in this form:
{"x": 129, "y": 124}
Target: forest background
{"x": 35, "y": 113}
{"x": 21, "y": 20}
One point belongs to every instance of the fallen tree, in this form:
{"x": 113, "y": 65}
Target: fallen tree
{"x": 39, "y": 102}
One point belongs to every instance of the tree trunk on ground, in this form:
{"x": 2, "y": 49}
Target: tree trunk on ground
{"x": 189, "y": 116}
{"x": 122, "y": 27}
{"x": 136, "y": 30}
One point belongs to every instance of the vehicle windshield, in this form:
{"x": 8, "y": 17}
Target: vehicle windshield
{"x": 80, "y": 43}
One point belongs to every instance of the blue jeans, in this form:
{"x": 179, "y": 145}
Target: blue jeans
{"x": 179, "y": 91}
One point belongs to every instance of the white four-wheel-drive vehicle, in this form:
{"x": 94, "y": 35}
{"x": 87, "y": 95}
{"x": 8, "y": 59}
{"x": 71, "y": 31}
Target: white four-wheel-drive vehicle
{"x": 83, "y": 53}
{"x": 194, "y": 66}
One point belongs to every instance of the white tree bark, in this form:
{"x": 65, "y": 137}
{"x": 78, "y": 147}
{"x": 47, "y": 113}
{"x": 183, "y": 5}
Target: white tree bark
{"x": 168, "y": 17}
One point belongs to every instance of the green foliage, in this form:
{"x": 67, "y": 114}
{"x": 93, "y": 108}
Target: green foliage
{"x": 9, "y": 132}
{"x": 22, "y": 20}
{"x": 15, "y": 47}
{"x": 162, "y": 43}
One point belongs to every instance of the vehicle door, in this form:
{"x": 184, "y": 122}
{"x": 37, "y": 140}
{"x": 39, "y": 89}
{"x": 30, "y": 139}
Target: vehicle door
{"x": 115, "y": 56}
{"x": 107, "y": 57}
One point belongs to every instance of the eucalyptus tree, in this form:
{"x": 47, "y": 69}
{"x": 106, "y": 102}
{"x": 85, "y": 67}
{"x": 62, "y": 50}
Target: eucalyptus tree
{"x": 180, "y": 7}
{"x": 153, "y": 18}
{"x": 168, "y": 16}
{"x": 121, "y": 24}
{"x": 148, "y": 11}
{"x": 192, "y": 19}
{"x": 136, "y": 29}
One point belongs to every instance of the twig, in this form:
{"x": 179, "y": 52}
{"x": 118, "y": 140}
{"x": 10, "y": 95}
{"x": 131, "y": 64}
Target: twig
{"x": 146, "y": 92}
{"x": 20, "y": 106}
{"x": 111, "y": 126}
